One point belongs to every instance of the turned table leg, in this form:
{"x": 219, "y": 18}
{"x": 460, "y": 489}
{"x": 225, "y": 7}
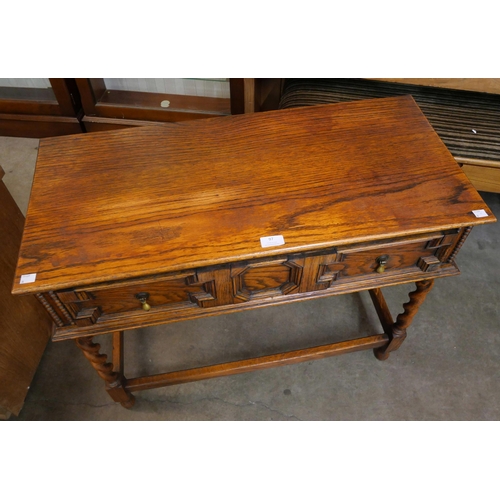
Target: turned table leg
{"x": 397, "y": 332}
{"x": 113, "y": 379}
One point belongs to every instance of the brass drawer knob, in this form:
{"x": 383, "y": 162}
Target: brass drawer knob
{"x": 382, "y": 262}
{"x": 143, "y": 297}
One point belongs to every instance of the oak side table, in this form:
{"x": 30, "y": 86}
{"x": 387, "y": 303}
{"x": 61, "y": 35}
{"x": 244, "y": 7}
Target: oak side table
{"x": 141, "y": 227}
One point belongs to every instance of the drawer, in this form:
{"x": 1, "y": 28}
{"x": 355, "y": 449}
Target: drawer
{"x": 424, "y": 254}
{"x": 179, "y": 291}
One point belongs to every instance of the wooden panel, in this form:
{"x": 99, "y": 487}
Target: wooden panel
{"x": 45, "y": 105}
{"x": 200, "y": 193}
{"x": 260, "y": 278}
{"x": 38, "y": 126}
{"x": 249, "y": 103}
{"x": 267, "y": 278}
{"x": 237, "y": 90}
{"x": 90, "y": 90}
{"x": 107, "y": 110}
{"x": 99, "y": 124}
{"x": 24, "y": 326}
{"x": 249, "y": 95}
{"x": 483, "y": 178}
{"x": 67, "y": 96}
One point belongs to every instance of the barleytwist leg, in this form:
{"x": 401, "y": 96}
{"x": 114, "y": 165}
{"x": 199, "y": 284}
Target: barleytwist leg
{"x": 403, "y": 321}
{"x": 114, "y": 380}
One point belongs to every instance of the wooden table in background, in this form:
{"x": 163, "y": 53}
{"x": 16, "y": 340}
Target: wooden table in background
{"x": 141, "y": 227}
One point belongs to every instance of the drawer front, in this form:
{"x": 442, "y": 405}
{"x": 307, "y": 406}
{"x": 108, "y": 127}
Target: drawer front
{"x": 384, "y": 259}
{"x": 372, "y": 261}
{"x": 180, "y": 291}
{"x": 418, "y": 254}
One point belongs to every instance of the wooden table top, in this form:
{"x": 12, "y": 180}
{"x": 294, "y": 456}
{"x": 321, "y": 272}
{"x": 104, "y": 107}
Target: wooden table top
{"x": 136, "y": 202}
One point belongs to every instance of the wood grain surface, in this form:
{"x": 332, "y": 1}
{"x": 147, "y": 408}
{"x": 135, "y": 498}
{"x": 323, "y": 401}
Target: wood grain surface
{"x": 130, "y": 203}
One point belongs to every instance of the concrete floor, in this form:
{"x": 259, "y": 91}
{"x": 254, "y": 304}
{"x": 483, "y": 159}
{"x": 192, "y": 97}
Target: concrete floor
{"x": 447, "y": 369}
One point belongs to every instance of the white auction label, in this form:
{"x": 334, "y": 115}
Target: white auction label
{"x": 272, "y": 241}
{"x": 27, "y": 278}
{"x": 480, "y": 213}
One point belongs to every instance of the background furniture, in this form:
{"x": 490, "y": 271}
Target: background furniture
{"x": 136, "y": 102}
{"x": 144, "y": 101}
{"x": 39, "y": 107}
{"x": 25, "y": 326}
{"x": 45, "y": 107}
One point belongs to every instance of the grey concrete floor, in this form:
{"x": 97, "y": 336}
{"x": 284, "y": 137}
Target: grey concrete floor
{"x": 447, "y": 369}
